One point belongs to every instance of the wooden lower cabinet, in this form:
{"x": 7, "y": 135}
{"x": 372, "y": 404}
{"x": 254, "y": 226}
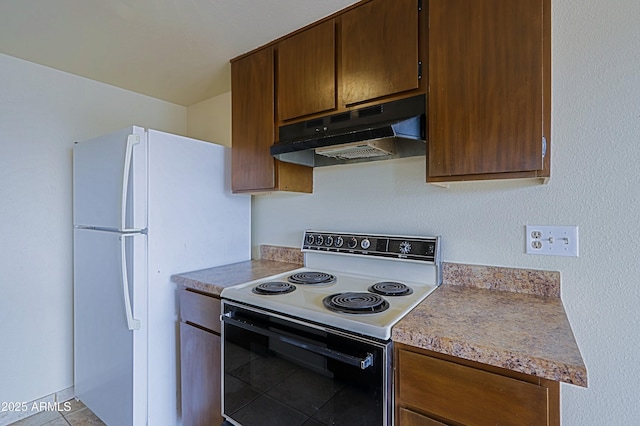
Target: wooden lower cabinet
{"x": 434, "y": 389}
{"x": 200, "y": 351}
{"x": 411, "y": 418}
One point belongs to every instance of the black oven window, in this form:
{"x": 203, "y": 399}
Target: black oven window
{"x": 271, "y": 382}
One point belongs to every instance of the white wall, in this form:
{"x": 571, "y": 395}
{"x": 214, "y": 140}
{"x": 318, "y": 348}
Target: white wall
{"x": 595, "y": 184}
{"x": 42, "y": 112}
{"x": 210, "y": 120}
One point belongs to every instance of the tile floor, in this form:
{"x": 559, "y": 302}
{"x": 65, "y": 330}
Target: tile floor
{"x": 77, "y": 415}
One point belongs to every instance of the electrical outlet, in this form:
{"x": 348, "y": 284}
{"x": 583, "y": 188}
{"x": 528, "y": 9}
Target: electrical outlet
{"x": 552, "y": 240}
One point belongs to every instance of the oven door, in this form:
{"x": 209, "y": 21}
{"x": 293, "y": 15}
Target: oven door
{"x": 279, "y": 370}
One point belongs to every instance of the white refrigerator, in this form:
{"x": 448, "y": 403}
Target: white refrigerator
{"x": 146, "y": 205}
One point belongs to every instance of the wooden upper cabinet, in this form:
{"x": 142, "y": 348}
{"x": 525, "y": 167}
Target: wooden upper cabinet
{"x": 253, "y": 168}
{"x": 489, "y": 89}
{"x": 307, "y": 72}
{"x": 379, "y": 50}
{"x": 252, "y": 122}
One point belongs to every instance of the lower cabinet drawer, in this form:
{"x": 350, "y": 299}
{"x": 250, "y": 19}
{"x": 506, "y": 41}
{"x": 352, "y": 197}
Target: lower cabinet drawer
{"x": 200, "y": 309}
{"x": 410, "y": 418}
{"x": 466, "y": 395}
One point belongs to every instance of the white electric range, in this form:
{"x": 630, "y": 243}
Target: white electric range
{"x": 375, "y": 281}
{"x": 313, "y": 345}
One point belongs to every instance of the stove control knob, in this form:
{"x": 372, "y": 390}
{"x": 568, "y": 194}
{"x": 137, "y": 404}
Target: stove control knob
{"x": 365, "y": 243}
{"x": 310, "y": 239}
{"x": 328, "y": 241}
{"x": 405, "y": 247}
{"x": 339, "y": 241}
{"x": 352, "y": 243}
{"x": 319, "y": 240}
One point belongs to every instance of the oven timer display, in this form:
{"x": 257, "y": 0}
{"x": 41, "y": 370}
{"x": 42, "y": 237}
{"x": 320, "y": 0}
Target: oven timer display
{"x": 405, "y": 247}
{"x": 412, "y": 247}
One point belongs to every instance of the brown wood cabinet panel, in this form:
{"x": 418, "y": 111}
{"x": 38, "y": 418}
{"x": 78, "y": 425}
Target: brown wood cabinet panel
{"x": 200, "y": 309}
{"x": 487, "y": 68}
{"x": 306, "y": 72}
{"x": 200, "y": 376}
{"x": 252, "y": 122}
{"x": 253, "y": 168}
{"x": 379, "y": 50}
{"x": 294, "y": 177}
{"x": 411, "y": 418}
{"x": 467, "y": 395}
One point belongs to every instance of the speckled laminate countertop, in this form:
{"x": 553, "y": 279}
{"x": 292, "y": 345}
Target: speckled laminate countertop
{"x": 273, "y": 260}
{"x": 214, "y": 280}
{"x": 505, "y": 317}
{"x": 514, "y": 329}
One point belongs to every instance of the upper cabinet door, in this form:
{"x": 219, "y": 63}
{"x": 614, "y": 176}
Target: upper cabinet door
{"x": 379, "y": 50}
{"x": 252, "y": 122}
{"x": 488, "y": 87}
{"x": 307, "y": 72}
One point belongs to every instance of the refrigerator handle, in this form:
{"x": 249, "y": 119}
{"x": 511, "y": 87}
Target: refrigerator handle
{"x": 131, "y": 141}
{"x": 132, "y": 323}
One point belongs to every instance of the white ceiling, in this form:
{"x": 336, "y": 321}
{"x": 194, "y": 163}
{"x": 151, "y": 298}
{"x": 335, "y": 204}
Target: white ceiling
{"x": 175, "y": 50}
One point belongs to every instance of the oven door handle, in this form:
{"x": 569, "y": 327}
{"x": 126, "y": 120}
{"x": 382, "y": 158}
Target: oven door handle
{"x": 362, "y": 363}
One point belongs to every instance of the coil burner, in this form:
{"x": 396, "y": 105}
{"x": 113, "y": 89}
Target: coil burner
{"x": 391, "y": 288}
{"x": 312, "y": 278}
{"x": 274, "y": 288}
{"x": 356, "y": 303}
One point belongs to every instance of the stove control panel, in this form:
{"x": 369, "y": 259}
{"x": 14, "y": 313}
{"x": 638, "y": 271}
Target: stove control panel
{"x": 425, "y": 249}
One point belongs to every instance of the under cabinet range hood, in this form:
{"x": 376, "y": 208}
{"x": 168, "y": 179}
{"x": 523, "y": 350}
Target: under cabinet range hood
{"x": 389, "y": 130}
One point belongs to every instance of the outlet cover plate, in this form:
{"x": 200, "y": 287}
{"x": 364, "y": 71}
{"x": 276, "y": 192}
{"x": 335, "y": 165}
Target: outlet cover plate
{"x": 552, "y": 240}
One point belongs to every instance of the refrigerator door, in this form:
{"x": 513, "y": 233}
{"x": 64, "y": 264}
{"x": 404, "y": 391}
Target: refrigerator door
{"x": 109, "y": 181}
{"x": 195, "y": 222}
{"x": 110, "y": 359}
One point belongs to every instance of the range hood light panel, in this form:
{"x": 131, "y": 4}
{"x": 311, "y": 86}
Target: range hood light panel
{"x": 368, "y": 149}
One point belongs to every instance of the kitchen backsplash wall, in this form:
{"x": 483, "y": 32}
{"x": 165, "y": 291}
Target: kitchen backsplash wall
{"x": 281, "y": 254}
{"x": 594, "y": 184}
{"x": 516, "y": 280}
{"x": 480, "y": 222}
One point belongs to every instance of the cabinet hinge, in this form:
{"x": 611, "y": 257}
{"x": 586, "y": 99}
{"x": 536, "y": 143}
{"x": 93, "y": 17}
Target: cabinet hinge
{"x": 419, "y": 5}
{"x": 419, "y": 70}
